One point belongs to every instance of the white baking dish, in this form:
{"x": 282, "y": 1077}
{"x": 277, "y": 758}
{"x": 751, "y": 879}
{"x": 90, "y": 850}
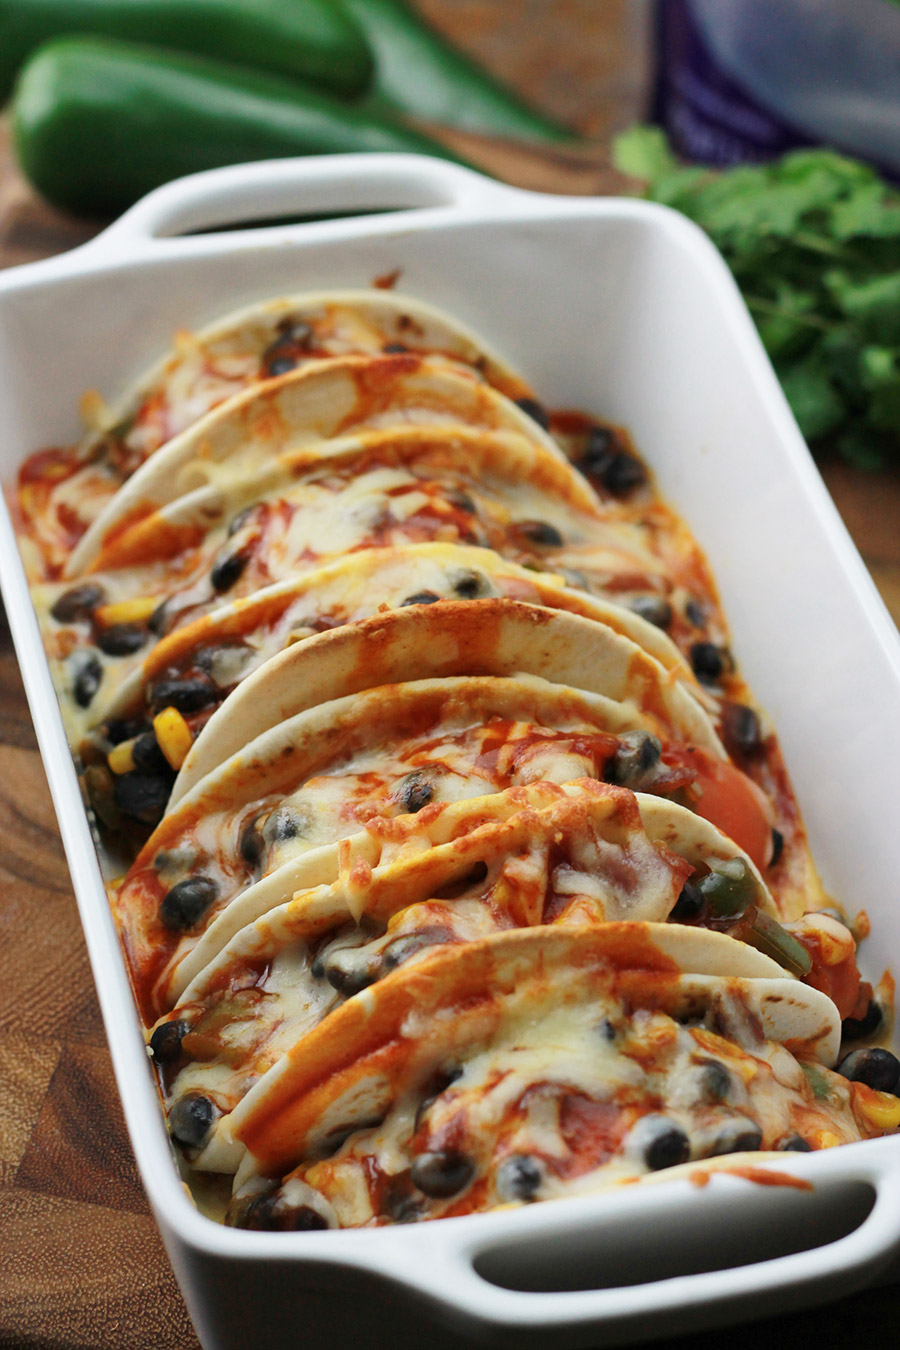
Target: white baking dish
{"x": 623, "y": 309}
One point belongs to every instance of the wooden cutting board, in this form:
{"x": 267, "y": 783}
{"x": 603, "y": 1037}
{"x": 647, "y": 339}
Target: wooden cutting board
{"x": 81, "y": 1264}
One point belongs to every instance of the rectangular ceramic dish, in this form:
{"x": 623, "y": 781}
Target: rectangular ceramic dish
{"x": 625, "y": 310}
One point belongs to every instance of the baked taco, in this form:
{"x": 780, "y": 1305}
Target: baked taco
{"x": 387, "y": 488}
{"x": 204, "y": 369}
{"x": 459, "y": 812}
{"x": 326, "y": 401}
{"x": 547, "y": 1062}
{"x": 235, "y": 639}
{"x": 492, "y": 636}
{"x": 586, "y": 853}
{"x": 388, "y": 751}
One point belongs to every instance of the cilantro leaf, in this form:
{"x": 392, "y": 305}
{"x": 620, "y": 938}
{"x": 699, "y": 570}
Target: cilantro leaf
{"x": 643, "y": 152}
{"x": 873, "y": 305}
{"x": 815, "y": 402}
{"x": 866, "y": 212}
{"x": 881, "y": 377}
{"x": 813, "y": 240}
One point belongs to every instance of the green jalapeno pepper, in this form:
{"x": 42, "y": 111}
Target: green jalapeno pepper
{"x": 97, "y": 123}
{"x": 418, "y": 73}
{"x": 313, "y": 39}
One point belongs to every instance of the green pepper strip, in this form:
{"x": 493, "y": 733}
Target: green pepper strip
{"x": 728, "y": 888}
{"x": 768, "y": 936}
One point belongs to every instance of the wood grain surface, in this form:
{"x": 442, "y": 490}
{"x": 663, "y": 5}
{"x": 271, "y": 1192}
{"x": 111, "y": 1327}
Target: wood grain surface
{"x": 81, "y": 1264}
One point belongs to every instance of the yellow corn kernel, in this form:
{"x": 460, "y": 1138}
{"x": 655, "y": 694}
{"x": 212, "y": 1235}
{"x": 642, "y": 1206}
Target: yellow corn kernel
{"x": 173, "y": 735}
{"x": 95, "y": 413}
{"x": 828, "y": 1139}
{"x": 121, "y": 758}
{"x": 126, "y": 611}
{"x": 881, "y": 1109}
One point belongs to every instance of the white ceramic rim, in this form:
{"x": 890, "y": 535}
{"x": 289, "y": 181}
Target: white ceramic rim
{"x": 432, "y": 195}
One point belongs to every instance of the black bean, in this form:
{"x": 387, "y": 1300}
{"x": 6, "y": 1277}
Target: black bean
{"x": 121, "y": 639}
{"x": 438, "y": 1084}
{"x": 535, "y": 411}
{"x": 469, "y": 585}
{"x": 740, "y": 1135}
{"x": 623, "y": 474}
{"x": 709, "y": 661}
{"x": 415, "y": 792}
{"x": 184, "y": 905}
{"x": 519, "y": 1177}
{"x": 662, "y": 1141}
{"x": 191, "y": 1118}
{"x": 395, "y": 348}
{"x": 462, "y": 501}
{"x": 348, "y": 979}
{"x": 147, "y": 755}
{"x": 656, "y": 609}
{"x": 271, "y": 1214}
{"x": 400, "y": 1203}
{"x": 252, "y": 845}
{"x": 540, "y": 532}
{"x": 796, "y": 1144}
{"x": 420, "y": 598}
{"x": 695, "y": 613}
{"x": 78, "y": 603}
{"x": 777, "y": 847}
{"x": 638, "y": 753}
{"x": 688, "y": 905}
{"x": 402, "y": 948}
{"x": 279, "y": 343}
{"x": 877, "y": 1068}
{"x": 165, "y": 1043}
{"x": 142, "y": 796}
{"x": 227, "y": 571}
{"x": 280, "y": 365}
{"x": 282, "y": 355}
{"x": 87, "y": 681}
{"x": 281, "y": 825}
{"x": 297, "y": 332}
{"x": 303, "y": 1219}
{"x": 600, "y": 443}
{"x": 442, "y": 1173}
{"x": 188, "y": 694}
{"x": 741, "y": 730}
{"x": 240, "y": 520}
{"x": 119, "y": 729}
{"x": 158, "y": 622}
{"x": 716, "y": 1081}
{"x": 616, "y": 469}
{"x": 854, "y": 1028}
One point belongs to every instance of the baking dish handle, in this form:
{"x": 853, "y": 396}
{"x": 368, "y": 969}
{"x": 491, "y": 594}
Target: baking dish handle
{"x": 644, "y": 1301}
{"x": 280, "y": 188}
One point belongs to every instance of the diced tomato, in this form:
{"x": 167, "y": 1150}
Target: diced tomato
{"x": 840, "y": 982}
{"x": 733, "y": 803}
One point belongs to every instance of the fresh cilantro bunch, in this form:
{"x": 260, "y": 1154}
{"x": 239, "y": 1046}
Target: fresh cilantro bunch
{"x": 813, "y": 240}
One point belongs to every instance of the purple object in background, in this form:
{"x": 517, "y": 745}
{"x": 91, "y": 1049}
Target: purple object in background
{"x": 739, "y": 81}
